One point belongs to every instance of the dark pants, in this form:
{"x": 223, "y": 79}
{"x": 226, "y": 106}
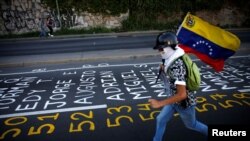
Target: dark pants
{"x": 50, "y": 30}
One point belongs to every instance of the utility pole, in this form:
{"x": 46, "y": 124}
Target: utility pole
{"x": 58, "y": 14}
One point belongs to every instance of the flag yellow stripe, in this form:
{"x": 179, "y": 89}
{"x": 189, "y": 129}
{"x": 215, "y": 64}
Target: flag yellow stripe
{"x": 215, "y": 34}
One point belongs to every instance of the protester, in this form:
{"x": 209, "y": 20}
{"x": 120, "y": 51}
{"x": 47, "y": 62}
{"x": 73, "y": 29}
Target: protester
{"x": 179, "y": 99}
{"x": 50, "y": 26}
{"x": 42, "y": 28}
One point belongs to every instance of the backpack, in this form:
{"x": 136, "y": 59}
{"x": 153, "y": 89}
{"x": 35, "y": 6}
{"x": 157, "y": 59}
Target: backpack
{"x": 193, "y": 73}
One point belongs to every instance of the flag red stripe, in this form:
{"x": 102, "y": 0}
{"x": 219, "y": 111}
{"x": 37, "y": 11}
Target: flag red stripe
{"x": 217, "y": 64}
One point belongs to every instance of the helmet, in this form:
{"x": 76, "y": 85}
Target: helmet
{"x": 166, "y": 39}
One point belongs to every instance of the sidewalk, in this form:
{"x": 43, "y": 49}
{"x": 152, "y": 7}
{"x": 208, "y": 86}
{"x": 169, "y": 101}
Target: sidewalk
{"x": 94, "y": 35}
{"x": 131, "y": 33}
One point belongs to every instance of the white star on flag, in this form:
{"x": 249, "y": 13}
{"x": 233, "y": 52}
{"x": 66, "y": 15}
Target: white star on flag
{"x": 202, "y": 43}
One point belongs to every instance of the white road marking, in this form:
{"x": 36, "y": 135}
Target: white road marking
{"x": 79, "y": 68}
{"x": 244, "y": 91}
{"x": 91, "y": 67}
{"x": 55, "y": 111}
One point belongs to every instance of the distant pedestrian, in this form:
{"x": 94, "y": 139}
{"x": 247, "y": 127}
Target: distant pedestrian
{"x": 50, "y": 26}
{"x": 43, "y": 28}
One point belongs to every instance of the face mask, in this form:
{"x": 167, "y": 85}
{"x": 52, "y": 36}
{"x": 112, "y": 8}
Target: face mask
{"x": 167, "y": 52}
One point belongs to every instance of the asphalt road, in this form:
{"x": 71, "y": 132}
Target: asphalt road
{"x": 63, "y": 44}
{"x": 108, "y": 101}
{"x": 82, "y": 43}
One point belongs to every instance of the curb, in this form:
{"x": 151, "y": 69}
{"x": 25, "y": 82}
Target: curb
{"x": 133, "y": 33}
{"x": 82, "y": 59}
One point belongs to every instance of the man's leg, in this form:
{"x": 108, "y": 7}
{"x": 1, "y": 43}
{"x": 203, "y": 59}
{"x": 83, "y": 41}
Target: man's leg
{"x": 51, "y": 30}
{"x": 42, "y": 33}
{"x": 189, "y": 118}
{"x": 161, "y": 121}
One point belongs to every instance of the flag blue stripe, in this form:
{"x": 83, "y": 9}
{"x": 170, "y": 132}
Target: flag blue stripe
{"x": 203, "y": 45}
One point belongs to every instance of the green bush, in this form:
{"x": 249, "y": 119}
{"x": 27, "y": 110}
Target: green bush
{"x": 143, "y": 14}
{"x": 29, "y": 34}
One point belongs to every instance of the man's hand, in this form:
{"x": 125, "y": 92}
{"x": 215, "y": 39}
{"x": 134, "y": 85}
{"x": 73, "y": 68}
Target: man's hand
{"x": 155, "y": 103}
{"x": 160, "y": 71}
{"x": 162, "y": 67}
{"x": 179, "y": 96}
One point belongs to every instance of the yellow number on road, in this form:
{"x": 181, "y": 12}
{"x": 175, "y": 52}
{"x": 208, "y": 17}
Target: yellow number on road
{"x": 128, "y": 109}
{"x": 79, "y": 127}
{"x": 15, "y": 130}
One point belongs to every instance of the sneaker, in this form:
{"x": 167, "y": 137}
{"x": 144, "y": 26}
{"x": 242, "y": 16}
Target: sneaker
{"x": 51, "y": 35}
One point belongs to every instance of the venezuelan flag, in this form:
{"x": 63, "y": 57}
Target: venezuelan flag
{"x": 211, "y": 44}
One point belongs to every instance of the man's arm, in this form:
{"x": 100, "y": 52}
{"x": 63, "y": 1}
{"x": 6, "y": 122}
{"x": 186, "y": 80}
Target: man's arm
{"x": 180, "y": 95}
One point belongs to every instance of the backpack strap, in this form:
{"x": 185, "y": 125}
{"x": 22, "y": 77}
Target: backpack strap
{"x": 174, "y": 61}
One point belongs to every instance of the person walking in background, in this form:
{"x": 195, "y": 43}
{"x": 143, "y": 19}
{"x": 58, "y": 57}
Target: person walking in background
{"x": 43, "y": 28}
{"x": 179, "y": 98}
{"x": 50, "y": 26}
